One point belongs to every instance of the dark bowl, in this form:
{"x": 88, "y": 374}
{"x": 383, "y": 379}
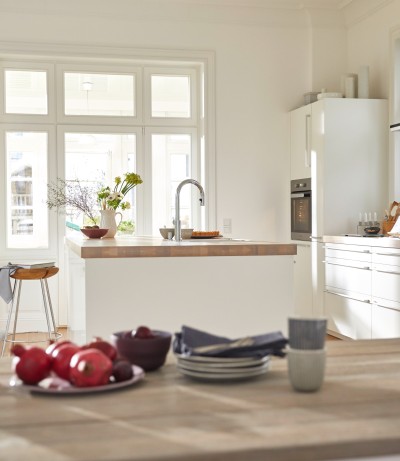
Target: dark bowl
{"x": 149, "y": 353}
{"x": 372, "y": 229}
{"x": 94, "y": 233}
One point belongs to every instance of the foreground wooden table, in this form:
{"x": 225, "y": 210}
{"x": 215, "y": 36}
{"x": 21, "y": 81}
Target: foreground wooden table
{"x": 167, "y": 417}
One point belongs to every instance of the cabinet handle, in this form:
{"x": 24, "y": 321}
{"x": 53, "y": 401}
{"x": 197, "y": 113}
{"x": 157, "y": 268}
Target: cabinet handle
{"x": 388, "y": 272}
{"x": 365, "y": 268}
{"x": 385, "y": 307}
{"x": 307, "y": 159}
{"x": 366, "y": 301}
{"x": 350, "y": 251}
{"x": 389, "y": 254}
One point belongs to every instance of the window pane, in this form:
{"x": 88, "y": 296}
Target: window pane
{"x": 27, "y": 214}
{"x": 171, "y": 164}
{"x": 170, "y": 96}
{"x": 95, "y": 159}
{"x": 99, "y": 94}
{"x": 26, "y": 92}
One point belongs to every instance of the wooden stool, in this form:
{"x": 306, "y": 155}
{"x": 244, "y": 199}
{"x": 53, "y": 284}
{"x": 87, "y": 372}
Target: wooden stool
{"x": 41, "y": 274}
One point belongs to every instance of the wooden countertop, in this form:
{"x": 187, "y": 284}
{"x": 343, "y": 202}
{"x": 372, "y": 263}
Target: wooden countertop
{"x": 168, "y": 417}
{"x": 145, "y": 247}
{"x": 387, "y": 242}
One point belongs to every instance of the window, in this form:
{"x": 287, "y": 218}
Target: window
{"x": 109, "y": 120}
{"x": 25, "y": 92}
{"x": 99, "y": 94}
{"x": 26, "y": 172}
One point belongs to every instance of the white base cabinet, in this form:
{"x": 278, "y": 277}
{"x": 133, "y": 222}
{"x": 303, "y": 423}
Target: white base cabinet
{"x": 303, "y": 293}
{"x": 362, "y": 291}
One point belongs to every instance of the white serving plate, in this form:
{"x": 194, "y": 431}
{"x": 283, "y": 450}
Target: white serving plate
{"x": 207, "y": 368}
{"x": 193, "y": 364}
{"x": 228, "y": 361}
{"x": 237, "y": 375}
{"x": 138, "y": 376}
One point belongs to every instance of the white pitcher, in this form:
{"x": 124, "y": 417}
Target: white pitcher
{"x": 108, "y": 221}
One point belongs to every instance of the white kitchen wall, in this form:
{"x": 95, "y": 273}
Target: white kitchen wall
{"x": 264, "y": 65}
{"x": 369, "y": 43}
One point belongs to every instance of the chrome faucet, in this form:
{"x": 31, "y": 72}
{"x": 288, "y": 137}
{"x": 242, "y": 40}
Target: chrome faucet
{"x": 177, "y": 204}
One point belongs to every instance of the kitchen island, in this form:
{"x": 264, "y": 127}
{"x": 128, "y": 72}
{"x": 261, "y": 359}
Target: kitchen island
{"x": 169, "y": 417}
{"x": 229, "y": 287}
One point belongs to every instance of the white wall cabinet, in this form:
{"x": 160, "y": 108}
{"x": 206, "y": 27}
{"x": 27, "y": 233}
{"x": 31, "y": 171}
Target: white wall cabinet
{"x": 300, "y": 143}
{"x": 362, "y": 291}
{"x": 345, "y": 142}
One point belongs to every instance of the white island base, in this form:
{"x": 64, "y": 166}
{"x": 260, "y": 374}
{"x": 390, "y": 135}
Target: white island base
{"x": 226, "y": 295}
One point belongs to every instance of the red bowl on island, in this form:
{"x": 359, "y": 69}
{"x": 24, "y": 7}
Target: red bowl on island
{"x": 143, "y": 347}
{"x": 94, "y": 232}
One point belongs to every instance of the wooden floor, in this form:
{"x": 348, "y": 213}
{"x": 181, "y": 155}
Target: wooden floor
{"x": 35, "y": 339}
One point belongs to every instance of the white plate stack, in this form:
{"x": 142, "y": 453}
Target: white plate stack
{"x": 221, "y": 368}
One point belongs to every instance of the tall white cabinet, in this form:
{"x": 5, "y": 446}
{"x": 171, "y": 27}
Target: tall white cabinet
{"x": 346, "y": 144}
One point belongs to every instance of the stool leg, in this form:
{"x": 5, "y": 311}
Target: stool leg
{"x": 8, "y": 321}
{"x": 17, "y": 309}
{"x": 51, "y": 309}
{"x": 45, "y": 308}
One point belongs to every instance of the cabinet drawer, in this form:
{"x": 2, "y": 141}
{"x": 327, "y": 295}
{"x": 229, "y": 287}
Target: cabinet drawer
{"x": 347, "y": 316}
{"x": 386, "y": 256}
{"x": 352, "y": 252}
{"x": 352, "y": 277}
{"x": 385, "y": 322}
{"x": 386, "y": 282}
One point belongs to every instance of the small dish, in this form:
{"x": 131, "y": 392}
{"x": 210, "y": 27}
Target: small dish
{"x": 167, "y": 233}
{"x": 94, "y": 233}
{"x": 372, "y": 230}
{"x": 186, "y": 233}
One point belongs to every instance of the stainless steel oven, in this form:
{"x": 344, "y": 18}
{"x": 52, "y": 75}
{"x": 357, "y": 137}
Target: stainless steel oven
{"x": 300, "y": 198}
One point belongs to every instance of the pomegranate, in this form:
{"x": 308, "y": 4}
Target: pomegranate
{"x": 33, "y": 364}
{"x": 143, "y": 333}
{"x": 90, "y": 367}
{"x": 55, "y": 345}
{"x": 108, "y": 349}
{"x": 61, "y": 357}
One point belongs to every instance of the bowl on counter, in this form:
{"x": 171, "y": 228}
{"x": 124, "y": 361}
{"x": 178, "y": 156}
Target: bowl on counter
{"x": 147, "y": 353}
{"x": 164, "y": 231}
{"x": 372, "y": 230}
{"x": 94, "y": 232}
{"x": 186, "y": 234}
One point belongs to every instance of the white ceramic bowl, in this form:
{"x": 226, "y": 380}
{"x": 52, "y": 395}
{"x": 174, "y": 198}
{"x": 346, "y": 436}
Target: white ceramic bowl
{"x": 186, "y": 233}
{"x": 164, "y": 231}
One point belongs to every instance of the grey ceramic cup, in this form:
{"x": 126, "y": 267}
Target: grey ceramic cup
{"x": 307, "y": 333}
{"x": 306, "y": 369}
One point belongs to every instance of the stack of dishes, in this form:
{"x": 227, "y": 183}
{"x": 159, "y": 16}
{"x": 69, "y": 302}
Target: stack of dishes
{"x": 221, "y": 368}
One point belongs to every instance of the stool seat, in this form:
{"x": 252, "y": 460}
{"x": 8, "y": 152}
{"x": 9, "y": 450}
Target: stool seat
{"x": 41, "y": 274}
{"x": 35, "y": 274}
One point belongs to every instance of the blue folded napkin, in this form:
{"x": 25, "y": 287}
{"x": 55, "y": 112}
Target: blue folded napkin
{"x": 190, "y": 341}
{"x": 5, "y": 283}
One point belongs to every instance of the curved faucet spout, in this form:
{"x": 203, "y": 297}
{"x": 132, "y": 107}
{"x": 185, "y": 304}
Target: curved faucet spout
{"x": 177, "y": 204}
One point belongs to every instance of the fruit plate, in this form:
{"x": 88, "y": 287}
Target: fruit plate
{"x": 138, "y": 375}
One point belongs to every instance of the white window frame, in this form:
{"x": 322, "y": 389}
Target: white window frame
{"x": 194, "y": 89}
{"x": 107, "y": 129}
{"x": 27, "y": 253}
{"x": 195, "y": 170}
{"x": 28, "y": 118}
{"x": 106, "y": 69}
